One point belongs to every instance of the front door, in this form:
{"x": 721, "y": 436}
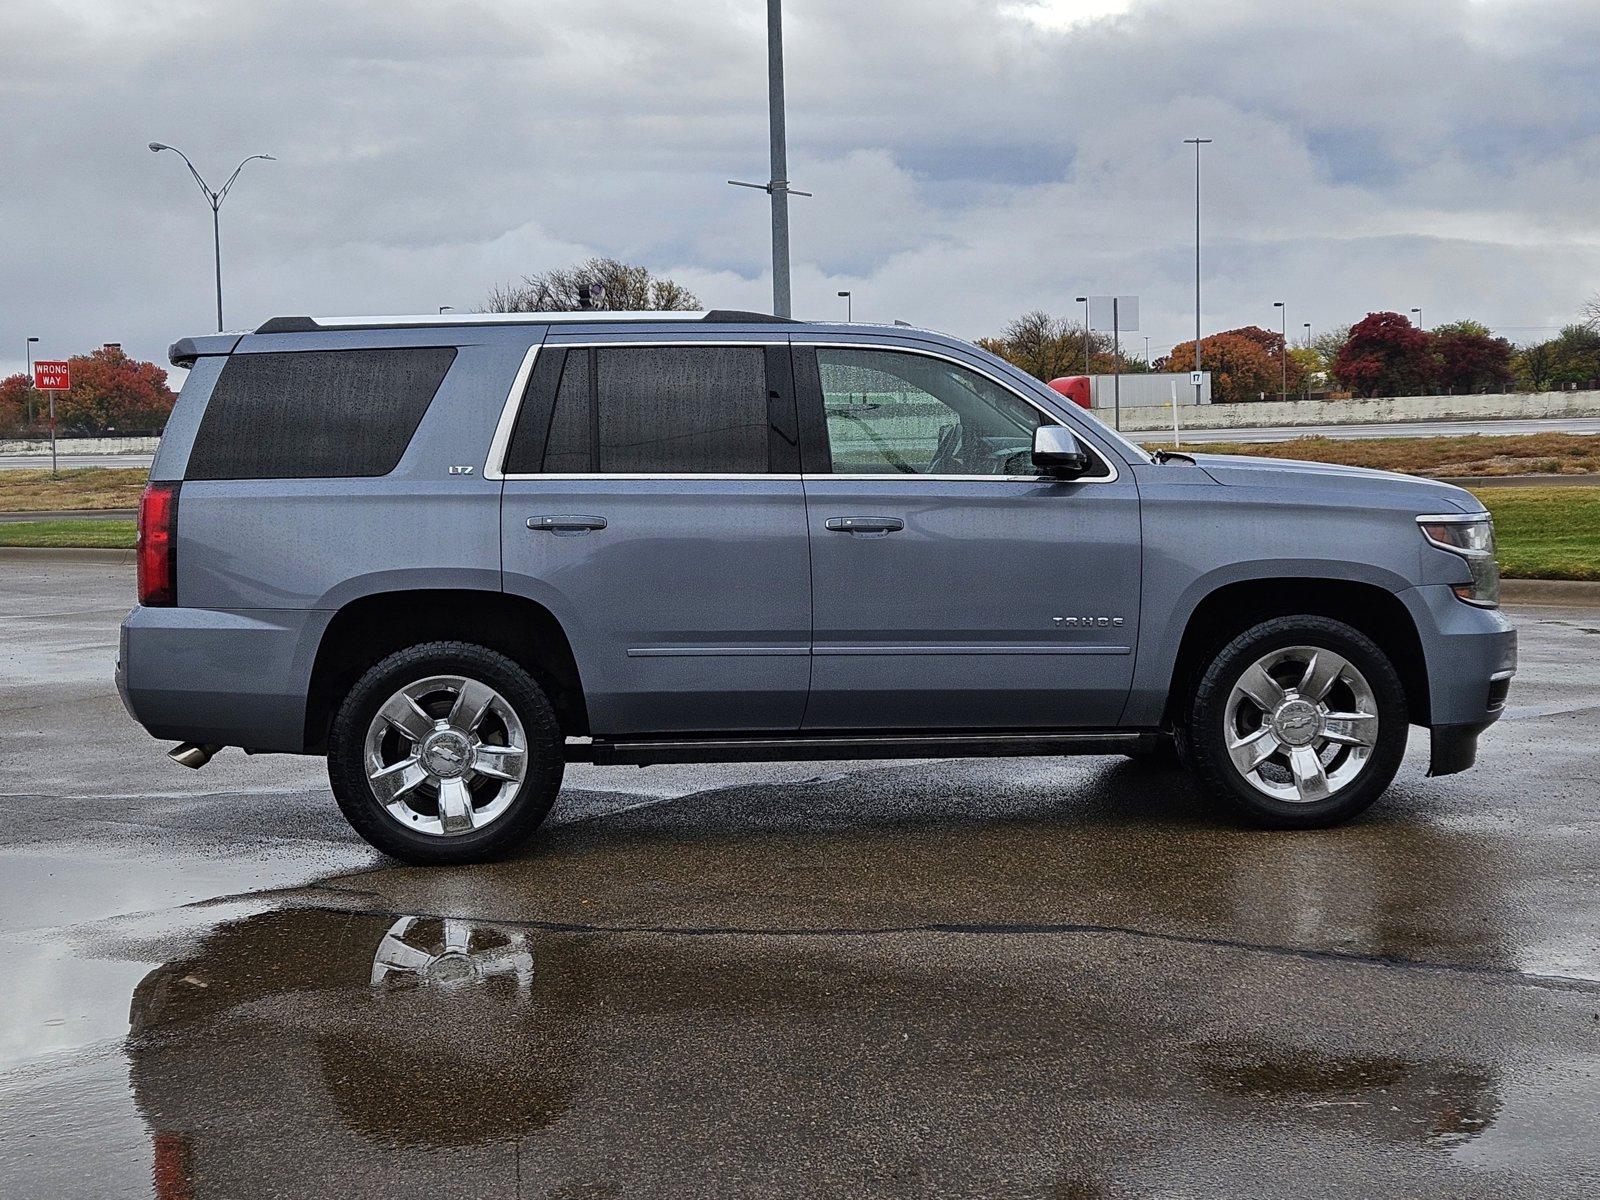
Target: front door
{"x": 953, "y": 587}
{"x": 652, "y": 503}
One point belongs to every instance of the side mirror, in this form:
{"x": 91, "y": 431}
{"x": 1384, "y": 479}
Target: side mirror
{"x": 1057, "y": 452}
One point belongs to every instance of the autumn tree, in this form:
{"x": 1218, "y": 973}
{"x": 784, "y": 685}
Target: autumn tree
{"x": 1386, "y": 355}
{"x": 1276, "y": 348}
{"x": 628, "y": 288}
{"x": 112, "y": 391}
{"x": 1467, "y": 357}
{"x": 1241, "y": 368}
{"x": 13, "y": 404}
{"x": 1048, "y": 347}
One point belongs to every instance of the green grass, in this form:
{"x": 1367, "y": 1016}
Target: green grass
{"x": 1546, "y": 532}
{"x": 104, "y": 535}
{"x": 1543, "y": 533}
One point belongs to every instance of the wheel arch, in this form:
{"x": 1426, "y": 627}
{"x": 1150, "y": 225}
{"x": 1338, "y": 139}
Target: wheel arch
{"x": 373, "y": 626}
{"x": 1224, "y": 613}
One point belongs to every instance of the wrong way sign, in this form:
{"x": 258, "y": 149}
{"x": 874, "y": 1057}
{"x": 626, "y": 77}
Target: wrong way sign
{"x": 52, "y": 376}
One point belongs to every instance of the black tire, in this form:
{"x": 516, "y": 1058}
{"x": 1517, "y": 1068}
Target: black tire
{"x": 1204, "y": 737}
{"x": 546, "y": 760}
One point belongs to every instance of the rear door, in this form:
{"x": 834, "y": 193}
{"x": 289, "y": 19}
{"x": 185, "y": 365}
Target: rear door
{"x": 953, "y": 587}
{"x": 652, "y": 501}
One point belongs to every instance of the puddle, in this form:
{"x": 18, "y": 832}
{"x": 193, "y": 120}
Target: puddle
{"x": 1436, "y": 1104}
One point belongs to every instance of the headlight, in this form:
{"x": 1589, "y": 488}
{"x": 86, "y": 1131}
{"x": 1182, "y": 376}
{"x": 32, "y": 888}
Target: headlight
{"x": 1470, "y": 535}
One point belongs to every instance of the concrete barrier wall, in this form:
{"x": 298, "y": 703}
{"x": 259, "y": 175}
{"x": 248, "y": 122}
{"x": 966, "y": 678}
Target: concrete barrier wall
{"x": 1275, "y": 413}
{"x": 1266, "y": 414}
{"x": 80, "y": 445}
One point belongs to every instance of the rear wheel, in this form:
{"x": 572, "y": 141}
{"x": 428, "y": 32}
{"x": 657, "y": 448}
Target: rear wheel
{"x": 446, "y": 752}
{"x": 1298, "y": 722}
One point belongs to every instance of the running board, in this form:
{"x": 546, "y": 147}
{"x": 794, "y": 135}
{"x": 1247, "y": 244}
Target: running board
{"x": 644, "y": 752}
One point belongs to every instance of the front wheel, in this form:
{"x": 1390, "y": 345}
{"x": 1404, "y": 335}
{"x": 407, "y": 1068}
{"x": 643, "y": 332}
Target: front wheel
{"x": 447, "y": 752}
{"x": 1299, "y": 722}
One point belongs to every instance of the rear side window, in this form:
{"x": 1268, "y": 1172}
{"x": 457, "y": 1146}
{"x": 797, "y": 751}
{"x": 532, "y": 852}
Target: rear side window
{"x": 316, "y": 414}
{"x": 647, "y": 410}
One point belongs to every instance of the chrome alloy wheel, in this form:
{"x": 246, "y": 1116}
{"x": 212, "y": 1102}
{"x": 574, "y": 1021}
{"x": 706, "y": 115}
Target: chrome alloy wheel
{"x": 446, "y": 755}
{"x": 1300, "y": 724}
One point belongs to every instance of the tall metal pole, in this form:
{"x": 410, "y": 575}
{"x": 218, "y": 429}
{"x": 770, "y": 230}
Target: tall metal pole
{"x": 1307, "y": 327}
{"x": 31, "y": 342}
{"x": 1116, "y": 363}
{"x": 1084, "y": 300}
{"x": 1196, "y": 143}
{"x": 778, "y": 185}
{"x": 216, "y": 241}
{"x": 780, "y": 161}
{"x": 1283, "y": 349}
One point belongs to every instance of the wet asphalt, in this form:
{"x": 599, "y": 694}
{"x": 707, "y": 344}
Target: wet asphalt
{"x": 1030, "y": 978}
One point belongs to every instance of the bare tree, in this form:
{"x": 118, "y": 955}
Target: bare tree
{"x": 1590, "y": 312}
{"x": 1047, "y": 347}
{"x": 628, "y": 288}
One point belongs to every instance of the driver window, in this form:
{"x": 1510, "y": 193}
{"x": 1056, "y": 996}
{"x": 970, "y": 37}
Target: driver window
{"x": 895, "y": 413}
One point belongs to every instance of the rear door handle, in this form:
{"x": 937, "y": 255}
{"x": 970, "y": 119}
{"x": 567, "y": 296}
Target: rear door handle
{"x": 566, "y": 526}
{"x": 865, "y": 526}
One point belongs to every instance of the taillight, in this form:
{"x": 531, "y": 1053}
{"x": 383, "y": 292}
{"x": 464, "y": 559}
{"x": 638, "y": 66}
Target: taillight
{"x": 157, "y": 545}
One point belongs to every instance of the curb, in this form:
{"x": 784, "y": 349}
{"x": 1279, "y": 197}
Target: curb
{"x": 1502, "y": 481}
{"x": 1550, "y": 591}
{"x": 44, "y": 554}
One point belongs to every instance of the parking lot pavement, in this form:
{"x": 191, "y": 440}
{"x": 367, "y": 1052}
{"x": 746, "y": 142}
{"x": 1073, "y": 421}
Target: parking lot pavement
{"x": 1053, "y": 978}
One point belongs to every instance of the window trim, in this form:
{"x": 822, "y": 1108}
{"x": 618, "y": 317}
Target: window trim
{"x": 494, "y": 461}
{"x": 1111, "y": 467}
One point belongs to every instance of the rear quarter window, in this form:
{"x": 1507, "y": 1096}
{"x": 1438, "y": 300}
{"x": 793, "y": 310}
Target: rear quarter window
{"x": 316, "y": 414}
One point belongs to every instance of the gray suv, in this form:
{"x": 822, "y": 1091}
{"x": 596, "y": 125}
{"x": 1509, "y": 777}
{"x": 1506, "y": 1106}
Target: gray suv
{"x": 454, "y": 554}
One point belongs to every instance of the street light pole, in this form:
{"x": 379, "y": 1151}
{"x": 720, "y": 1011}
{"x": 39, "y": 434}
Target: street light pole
{"x": 849, "y": 307}
{"x": 1283, "y": 349}
{"x": 1084, "y": 300}
{"x": 31, "y": 343}
{"x": 215, "y": 199}
{"x": 778, "y": 186}
{"x": 1307, "y": 327}
{"x": 1197, "y": 143}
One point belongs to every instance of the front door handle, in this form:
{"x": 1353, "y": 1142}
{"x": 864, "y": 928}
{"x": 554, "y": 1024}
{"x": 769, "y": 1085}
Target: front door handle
{"x": 865, "y": 526}
{"x": 566, "y": 526}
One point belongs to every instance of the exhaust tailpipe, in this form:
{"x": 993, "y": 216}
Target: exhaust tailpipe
{"x": 192, "y": 754}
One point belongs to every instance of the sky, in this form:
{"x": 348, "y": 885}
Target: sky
{"x": 970, "y": 159}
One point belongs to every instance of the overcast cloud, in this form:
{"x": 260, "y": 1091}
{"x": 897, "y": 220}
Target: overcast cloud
{"x": 970, "y": 158}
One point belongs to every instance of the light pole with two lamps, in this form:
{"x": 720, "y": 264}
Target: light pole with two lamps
{"x": 215, "y": 199}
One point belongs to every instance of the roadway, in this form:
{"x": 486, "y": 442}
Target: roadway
{"x": 1030, "y": 978}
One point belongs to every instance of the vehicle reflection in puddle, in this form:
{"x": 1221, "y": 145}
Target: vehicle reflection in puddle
{"x": 447, "y": 952}
{"x": 299, "y": 1049}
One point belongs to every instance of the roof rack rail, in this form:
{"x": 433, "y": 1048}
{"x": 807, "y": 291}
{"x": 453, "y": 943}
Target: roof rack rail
{"x": 722, "y": 316}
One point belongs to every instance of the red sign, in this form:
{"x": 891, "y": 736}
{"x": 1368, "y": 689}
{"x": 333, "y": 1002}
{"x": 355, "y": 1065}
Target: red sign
{"x": 52, "y": 376}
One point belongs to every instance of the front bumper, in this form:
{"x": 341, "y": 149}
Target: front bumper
{"x": 1471, "y": 656}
